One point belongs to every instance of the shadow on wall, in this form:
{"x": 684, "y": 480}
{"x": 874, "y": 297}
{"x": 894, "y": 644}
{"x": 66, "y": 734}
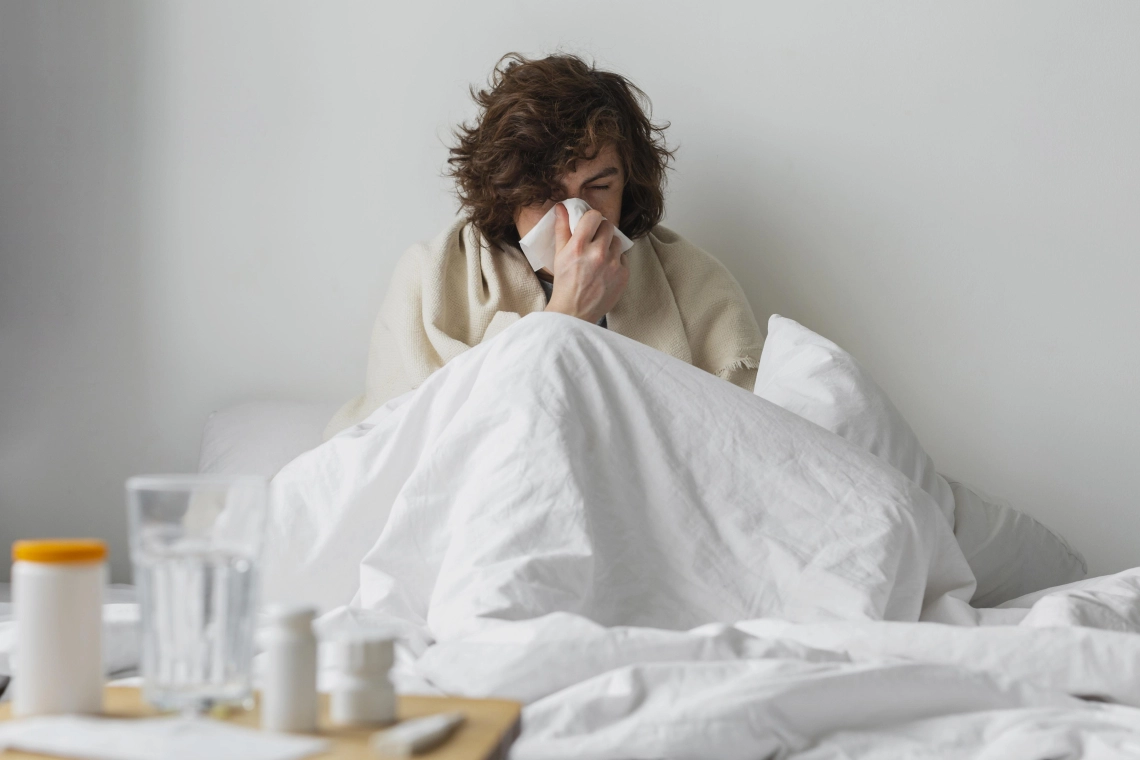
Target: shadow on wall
{"x": 726, "y": 209}
{"x": 73, "y": 375}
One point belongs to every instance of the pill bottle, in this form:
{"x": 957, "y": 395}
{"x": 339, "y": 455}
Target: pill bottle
{"x": 289, "y": 688}
{"x": 361, "y": 693}
{"x": 57, "y": 600}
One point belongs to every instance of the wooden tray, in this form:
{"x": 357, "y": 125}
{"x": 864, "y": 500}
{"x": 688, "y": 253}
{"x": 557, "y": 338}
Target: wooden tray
{"x": 491, "y": 725}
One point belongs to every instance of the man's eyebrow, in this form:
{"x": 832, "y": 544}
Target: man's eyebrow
{"x": 603, "y": 173}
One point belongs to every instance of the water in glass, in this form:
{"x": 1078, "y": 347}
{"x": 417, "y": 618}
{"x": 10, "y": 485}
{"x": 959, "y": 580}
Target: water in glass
{"x": 195, "y": 545}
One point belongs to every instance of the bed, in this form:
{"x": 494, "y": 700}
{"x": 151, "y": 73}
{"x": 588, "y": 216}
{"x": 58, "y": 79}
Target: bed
{"x": 659, "y": 564}
{"x": 648, "y": 611}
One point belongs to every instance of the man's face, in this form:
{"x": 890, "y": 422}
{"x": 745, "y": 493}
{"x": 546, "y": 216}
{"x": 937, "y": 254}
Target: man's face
{"x": 598, "y": 182}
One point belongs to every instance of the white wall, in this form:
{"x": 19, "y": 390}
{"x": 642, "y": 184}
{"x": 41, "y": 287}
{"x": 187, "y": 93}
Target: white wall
{"x": 200, "y": 204}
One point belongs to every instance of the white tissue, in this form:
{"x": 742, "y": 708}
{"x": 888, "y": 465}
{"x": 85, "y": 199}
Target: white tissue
{"x": 538, "y": 244}
{"x": 151, "y": 739}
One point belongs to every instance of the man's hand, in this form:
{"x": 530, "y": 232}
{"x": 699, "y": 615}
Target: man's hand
{"x": 590, "y": 271}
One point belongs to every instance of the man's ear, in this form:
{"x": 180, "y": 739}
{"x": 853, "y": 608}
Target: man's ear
{"x": 561, "y": 227}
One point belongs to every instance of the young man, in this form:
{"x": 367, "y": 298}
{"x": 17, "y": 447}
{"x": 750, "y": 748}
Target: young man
{"x": 549, "y": 130}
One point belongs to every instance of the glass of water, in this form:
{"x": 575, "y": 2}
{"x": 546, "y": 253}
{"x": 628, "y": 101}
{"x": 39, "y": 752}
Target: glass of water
{"x": 195, "y": 543}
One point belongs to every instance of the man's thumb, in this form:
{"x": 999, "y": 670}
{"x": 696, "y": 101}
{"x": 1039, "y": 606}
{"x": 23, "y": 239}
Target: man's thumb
{"x": 561, "y": 227}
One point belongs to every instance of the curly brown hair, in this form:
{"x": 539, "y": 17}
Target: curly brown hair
{"x": 536, "y": 120}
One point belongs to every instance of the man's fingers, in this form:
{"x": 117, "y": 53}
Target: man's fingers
{"x": 588, "y": 225}
{"x": 561, "y": 227}
{"x": 605, "y": 236}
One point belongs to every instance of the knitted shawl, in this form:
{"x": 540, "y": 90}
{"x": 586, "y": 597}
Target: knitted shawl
{"x": 457, "y": 291}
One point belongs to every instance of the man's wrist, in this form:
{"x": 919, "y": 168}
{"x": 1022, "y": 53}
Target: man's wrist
{"x": 557, "y": 309}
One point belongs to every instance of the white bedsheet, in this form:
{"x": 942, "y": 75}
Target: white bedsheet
{"x": 662, "y": 565}
{"x": 567, "y": 468}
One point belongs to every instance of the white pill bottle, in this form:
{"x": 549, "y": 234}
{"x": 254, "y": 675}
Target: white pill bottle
{"x": 289, "y": 687}
{"x": 57, "y": 600}
{"x": 361, "y": 693}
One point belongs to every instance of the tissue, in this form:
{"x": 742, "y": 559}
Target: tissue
{"x": 538, "y": 244}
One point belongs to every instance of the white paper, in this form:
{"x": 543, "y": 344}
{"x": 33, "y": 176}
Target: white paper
{"x": 92, "y": 738}
{"x": 538, "y": 244}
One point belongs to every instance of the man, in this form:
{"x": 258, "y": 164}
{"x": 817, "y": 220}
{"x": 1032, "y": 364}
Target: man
{"x": 548, "y": 130}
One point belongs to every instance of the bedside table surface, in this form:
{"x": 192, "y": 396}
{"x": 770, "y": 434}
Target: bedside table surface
{"x": 486, "y": 734}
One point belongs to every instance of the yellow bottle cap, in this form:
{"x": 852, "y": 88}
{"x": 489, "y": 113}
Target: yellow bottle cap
{"x": 68, "y": 550}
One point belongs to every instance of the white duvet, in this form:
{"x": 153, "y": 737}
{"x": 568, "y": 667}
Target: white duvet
{"x": 663, "y": 565}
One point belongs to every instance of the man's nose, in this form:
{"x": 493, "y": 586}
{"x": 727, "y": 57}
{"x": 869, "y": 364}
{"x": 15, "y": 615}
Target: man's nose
{"x": 562, "y": 195}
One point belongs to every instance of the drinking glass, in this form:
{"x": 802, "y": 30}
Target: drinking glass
{"x": 195, "y": 543}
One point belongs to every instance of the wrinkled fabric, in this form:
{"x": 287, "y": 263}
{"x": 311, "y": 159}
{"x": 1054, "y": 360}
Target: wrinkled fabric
{"x": 562, "y": 467}
{"x": 660, "y": 564}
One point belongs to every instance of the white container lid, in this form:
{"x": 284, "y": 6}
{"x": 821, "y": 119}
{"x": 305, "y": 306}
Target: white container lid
{"x": 361, "y": 654}
{"x": 292, "y": 615}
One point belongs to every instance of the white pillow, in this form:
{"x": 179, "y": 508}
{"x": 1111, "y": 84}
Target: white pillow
{"x": 261, "y": 437}
{"x": 807, "y": 374}
{"x": 1010, "y": 553}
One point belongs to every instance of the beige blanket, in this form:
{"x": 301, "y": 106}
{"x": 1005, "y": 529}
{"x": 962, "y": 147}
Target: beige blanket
{"x": 456, "y": 291}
